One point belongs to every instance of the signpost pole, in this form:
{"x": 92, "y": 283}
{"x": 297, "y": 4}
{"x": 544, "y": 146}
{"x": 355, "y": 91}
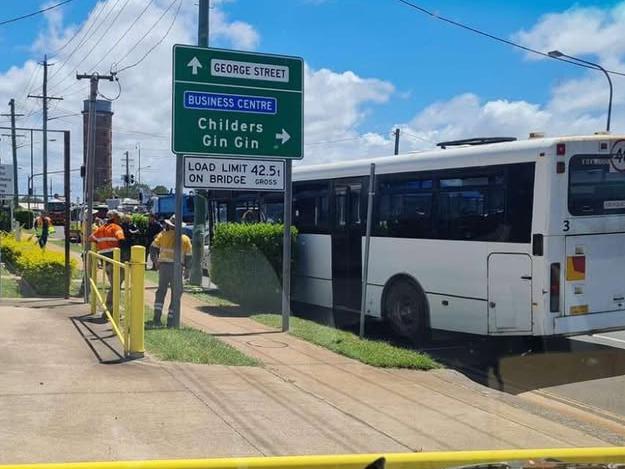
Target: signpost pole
{"x": 199, "y": 201}
{"x": 177, "y": 283}
{"x": 286, "y": 248}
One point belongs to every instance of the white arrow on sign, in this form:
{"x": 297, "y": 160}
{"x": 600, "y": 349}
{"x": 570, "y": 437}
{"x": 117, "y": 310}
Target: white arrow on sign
{"x": 194, "y": 64}
{"x": 283, "y": 136}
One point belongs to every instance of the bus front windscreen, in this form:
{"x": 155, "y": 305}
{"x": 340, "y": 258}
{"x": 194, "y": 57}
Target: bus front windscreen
{"x": 596, "y": 187}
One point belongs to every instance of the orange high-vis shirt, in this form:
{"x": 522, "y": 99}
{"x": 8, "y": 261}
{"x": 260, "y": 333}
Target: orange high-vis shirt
{"x": 107, "y": 237}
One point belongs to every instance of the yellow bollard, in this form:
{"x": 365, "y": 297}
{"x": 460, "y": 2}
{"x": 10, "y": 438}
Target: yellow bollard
{"x": 137, "y": 302}
{"x": 116, "y": 286}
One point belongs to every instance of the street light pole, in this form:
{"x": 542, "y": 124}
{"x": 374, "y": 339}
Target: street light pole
{"x": 557, "y": 54}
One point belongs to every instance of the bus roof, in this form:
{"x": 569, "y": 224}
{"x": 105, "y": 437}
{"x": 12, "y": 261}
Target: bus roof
{"x": 465, "y": 156}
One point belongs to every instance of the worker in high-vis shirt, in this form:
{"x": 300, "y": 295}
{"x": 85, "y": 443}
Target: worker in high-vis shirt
{"x": 108, "y": 237}
{"x": 43, "y": 228}
{"x": 164, "y": 245}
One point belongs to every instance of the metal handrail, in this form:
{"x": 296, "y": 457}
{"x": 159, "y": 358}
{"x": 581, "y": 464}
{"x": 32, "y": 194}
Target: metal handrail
{"x": 128, "y": 327}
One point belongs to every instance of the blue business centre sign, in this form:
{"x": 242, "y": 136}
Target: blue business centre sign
{"x": 230, "y": 102}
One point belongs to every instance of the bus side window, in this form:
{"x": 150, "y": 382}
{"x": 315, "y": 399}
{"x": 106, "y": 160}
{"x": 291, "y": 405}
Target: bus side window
{"x": 520, "y": 196}
{"x": 311, "y": 207}
{"x": 404, "y": 208}
{"x": 471, "y": 208}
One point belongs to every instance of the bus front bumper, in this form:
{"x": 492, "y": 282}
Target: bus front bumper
{"x": 587, "y": 323}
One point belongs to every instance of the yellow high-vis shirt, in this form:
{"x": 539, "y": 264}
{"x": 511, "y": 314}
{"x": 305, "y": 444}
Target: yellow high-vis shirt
{"x": 165, "y": 240}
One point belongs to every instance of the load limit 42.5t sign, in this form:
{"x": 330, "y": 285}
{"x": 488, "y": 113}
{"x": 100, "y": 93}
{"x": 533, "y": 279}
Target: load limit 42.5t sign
{"x": 231, "y": 103}
{"x": 233, "y": 174}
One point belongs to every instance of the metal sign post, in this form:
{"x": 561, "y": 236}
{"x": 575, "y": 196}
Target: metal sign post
{"x": 286, "y": 250}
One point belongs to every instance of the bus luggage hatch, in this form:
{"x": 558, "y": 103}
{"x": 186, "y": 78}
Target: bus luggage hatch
{"x": 509, "y": 293}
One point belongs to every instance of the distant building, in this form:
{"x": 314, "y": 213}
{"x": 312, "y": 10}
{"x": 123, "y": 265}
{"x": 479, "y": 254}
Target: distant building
{"x": 104, "y": 141}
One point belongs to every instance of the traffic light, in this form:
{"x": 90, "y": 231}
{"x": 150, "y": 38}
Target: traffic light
{"x": 125, "y": 178}
{"x": 132, "y": 179}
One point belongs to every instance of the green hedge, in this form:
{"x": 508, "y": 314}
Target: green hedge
{"x": 141, "y": 221}
{"x": 246, "y": 262}
{"x": 42, "y": 270}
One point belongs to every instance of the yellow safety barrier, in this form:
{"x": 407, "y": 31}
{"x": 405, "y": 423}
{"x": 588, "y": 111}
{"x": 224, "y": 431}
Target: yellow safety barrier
{"x": 127, "y": 323}
{"x": 516, "y": 459}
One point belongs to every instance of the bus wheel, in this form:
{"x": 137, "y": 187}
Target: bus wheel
{"x": 406, "y": 309}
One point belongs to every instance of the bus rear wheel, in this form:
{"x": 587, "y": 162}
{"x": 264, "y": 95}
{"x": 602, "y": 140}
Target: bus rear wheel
{"x": 406, "y": 310}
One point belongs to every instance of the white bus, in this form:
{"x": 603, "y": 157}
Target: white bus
{"x": 513, "y": 238}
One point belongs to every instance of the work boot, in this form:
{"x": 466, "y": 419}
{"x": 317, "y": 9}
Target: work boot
{"x": 170, "y": 320}
{"x": 156, "y": 320}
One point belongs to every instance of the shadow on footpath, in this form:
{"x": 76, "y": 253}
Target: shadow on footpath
{"x": 100, "y": 339}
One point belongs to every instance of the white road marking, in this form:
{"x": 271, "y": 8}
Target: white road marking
{"x": 601, "y": 336}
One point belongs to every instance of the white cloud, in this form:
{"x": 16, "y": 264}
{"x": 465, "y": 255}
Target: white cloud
{"x": 579, "y": 31}
{"x": 334, "y": 107}
{"x": 338, "y": 103}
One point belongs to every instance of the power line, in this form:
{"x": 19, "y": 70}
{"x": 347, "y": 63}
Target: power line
{"x": 110, "y": 50}
{"x": 323, "y": 142}
{"x": 34, "y": 13}
{"x": 96, "y": 42}
{"x": 497, "y": 38}
{"x": 55, "y": 53}
{"x": 159, "y": 42}
{"x": 119, "y": 92}
{"x": 82, "y": 41}
{"x": 410, "y": 134}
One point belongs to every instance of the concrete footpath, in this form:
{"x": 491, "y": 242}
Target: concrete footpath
{"x": 66, "y": 396}
{"x": 421, "y": 411}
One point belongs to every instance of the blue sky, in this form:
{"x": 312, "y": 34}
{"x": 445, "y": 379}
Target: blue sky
{"x": 424, "y": 58}
{"x": 373, "y": 64}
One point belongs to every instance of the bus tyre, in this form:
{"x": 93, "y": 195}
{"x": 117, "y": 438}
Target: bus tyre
{"x": 406, "y": 309}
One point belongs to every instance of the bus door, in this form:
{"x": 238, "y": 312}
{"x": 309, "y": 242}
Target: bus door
{"x": 509, "y": 293}
{"x": 347, "y": 244}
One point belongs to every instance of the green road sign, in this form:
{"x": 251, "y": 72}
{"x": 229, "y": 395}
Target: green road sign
{"x": 231, "y": 103}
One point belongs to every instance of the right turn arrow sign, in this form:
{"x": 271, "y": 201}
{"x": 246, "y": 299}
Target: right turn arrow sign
{"x": 283, "y": 136}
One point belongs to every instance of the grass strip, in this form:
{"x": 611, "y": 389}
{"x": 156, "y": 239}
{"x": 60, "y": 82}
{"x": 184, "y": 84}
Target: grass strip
{"x": 191, "y": 346}
{"x": 9, "y": 284}
{"x": 372, "y": 352}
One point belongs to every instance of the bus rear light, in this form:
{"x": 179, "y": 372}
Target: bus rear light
{"x": 560, "y": 149}
{"x": 560, "y": 167}
{"x": 575, "y": 268}
{"x": 554, "y": 288}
